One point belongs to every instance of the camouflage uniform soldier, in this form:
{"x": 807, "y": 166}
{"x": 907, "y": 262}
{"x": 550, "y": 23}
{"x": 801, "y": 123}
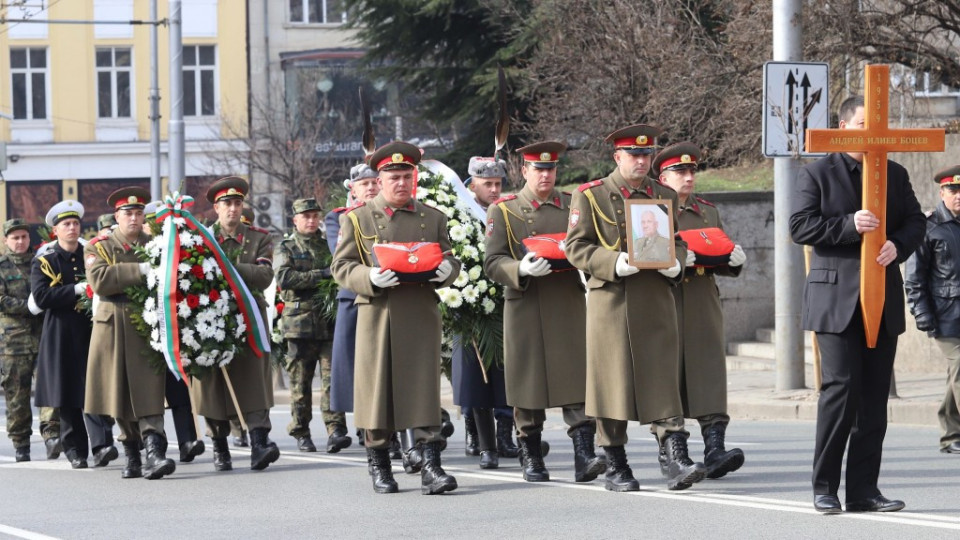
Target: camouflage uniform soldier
{"x": 21, "y": 334}
{"x": 301, "y": 261}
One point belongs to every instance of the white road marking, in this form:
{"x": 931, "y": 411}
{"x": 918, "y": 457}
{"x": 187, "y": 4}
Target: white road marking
{"x": 20, "y": 533}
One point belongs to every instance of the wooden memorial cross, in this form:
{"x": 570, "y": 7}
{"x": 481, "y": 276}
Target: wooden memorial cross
{"x": 875, "y": 141}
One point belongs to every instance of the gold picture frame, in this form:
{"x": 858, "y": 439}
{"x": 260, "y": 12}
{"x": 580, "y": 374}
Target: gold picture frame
{"x": 649, "y": 248}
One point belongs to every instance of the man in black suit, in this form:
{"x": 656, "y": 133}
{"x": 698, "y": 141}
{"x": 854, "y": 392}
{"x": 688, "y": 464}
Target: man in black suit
{"x": 827, "y": 214}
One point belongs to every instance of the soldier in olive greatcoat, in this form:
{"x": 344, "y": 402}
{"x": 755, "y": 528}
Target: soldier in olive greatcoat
{"x": 703, "y": 362}
{"x": 251, "y": 251}
{"x": 120, "y": 382}
{"x": 397, "y": 384}
{"x": 544, "y": 316}
{"x": 301, "y": 261}
{"x": 632, "y": 339}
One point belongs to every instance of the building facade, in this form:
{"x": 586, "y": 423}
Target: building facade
{"x": 76, "y": 100}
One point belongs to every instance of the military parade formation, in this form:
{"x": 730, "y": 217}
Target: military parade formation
{"x": 607, "y": 344}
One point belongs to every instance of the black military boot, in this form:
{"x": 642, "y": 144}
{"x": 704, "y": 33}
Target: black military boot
{"x": 22, "y": 453}
{"x": 487, "y": 438}
{"x": 719, "y": 460}
{"x": 682, "y": 472}
{"x": 412, "y": 453}
{"x": 662, "y": 458}
{"x": 446, "y": 426}
{"x": 531, "y": 459}
{"x": 190, "y": 450}
{"x": 157, "y": 465}
{"x": 433, "y": 480}
{"x": 587, "y": 464}
{"x": 380, "y": 471}
{"x": 470, "y": 443}
{"x": 305, "y": 444}
{"x": 395, "y": 451}
{"x": 221, "y": 455}
{"x": 338, "y": 440}
{"x": 619, "y": 477}
{"x": 263, "y": 451}
{"x": 505, "y": 445}
{"x": 134, "y": 467}
{"x": 53, "y": 447}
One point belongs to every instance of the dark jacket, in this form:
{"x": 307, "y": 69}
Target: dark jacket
{"x": 344, "y": 331}
{"x": 933, "y": 276}
{"x": 822, "y": 211}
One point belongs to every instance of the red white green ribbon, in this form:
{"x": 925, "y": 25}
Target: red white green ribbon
{"x": 175, "y": 206}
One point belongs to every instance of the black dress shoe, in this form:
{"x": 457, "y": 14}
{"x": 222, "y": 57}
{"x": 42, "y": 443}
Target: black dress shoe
{"x": 105, "y": 455}
{"x": 875, "y": 504}
{"x": 827, "y": 504}
{"x": 952, "y": 448}
{"x": 190, "y": 450}
{"x": 53, "y": 447}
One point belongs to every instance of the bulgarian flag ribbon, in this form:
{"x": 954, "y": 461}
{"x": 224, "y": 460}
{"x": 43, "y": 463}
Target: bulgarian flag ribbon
{"x": 175, "y": 206}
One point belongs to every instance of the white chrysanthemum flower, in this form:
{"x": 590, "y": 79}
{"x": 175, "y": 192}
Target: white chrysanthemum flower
{"x": 482, "y": 246}
{"x": 185, "y": 360}
{"x": 183, "y": 310}
{"x": 488, "y": 305}
{"x": 475, "y": 273}
{"x": 187, "y": 239}
{"x": 209, "y": 265}
{"x": 471, "y": 253}
{"x": 184, "y": 285}
{"x": 179, "y": 222}
{"x": 202, "y": 360}
{"x": 482, "y": 286}
{"x": 151, "y": 317}
{"x": 150, "y": 303}
{"x": 204, "y": 300}
{"x": 155, "y": 345}
{"x": 470, "y": 294}
{"x": 151, "y": 280}
{"x": 462, "y": 279}
{"x": 155, "y": 334}
{"x": 183, "y": 268}
{"x": 458, "y": 233}
{"x": 454, "y": 298}
{"x": 219, "y": 335}
{"x": 241, "y": 328}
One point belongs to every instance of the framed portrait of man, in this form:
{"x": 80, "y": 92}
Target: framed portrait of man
{"x": 650, "y": 240}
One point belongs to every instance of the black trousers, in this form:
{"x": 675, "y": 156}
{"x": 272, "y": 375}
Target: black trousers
{"x": 852, "y": 407}
{"x": 178, "y": 398}
{"x": 76, "y": 427}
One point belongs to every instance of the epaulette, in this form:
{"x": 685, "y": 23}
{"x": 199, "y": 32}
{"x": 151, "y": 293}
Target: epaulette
{"x": 505, "y": 198}
{"x": 706, "y": 202}
{"x": 95, "y": 239}
{"x": 354, "y": 207}
{"x": 339, "y": 209}
{"x": 258, "y": 229}
{"x": 589, "y": 185}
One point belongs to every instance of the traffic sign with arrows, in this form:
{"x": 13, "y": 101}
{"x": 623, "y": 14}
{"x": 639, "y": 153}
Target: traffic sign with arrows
{"x": 794, "y": 100}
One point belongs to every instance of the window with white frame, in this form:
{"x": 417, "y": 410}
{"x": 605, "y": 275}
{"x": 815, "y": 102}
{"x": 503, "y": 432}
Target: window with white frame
{"x": 926, "y": 83}
{"x": 114, "y": 79}
{"x": 318, "y": 11}
{"x": 28, "y": 77}
{"x": 199, "y": 80}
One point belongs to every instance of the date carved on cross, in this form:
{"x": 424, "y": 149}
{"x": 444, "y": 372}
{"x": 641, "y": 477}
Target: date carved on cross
{"x": 875, "y": 140}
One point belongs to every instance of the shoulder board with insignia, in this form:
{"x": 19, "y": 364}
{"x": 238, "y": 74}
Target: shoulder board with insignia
{"x": 354, "y": 207}
{"x": 505, "y": 198}
{"x": 339, "y": 210}
{"x": 589, "y": 185}
{"x": 258, "y": 229}
{"x": 706, "y": 202}
{"x": 95, "y": 239}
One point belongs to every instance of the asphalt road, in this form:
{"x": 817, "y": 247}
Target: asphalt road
{"x": 322, "y": 496}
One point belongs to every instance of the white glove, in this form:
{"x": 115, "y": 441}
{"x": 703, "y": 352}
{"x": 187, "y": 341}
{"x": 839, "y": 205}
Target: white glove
{"x": 691, "y": 258}
{"x": 624, "y": 268}
{"x": 673, "y": 271}
{"x": 443, "y": 271}
{"x": 144, "y": 268}
{"x": 32, "y": 305}
{"x": 80, "y": 288}
{"x": 737, "y": 256}
{"x": 530, "y": 268}
{"x": 383, "y": 278}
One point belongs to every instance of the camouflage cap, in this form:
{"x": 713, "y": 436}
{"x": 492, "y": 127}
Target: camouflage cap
{"x": 361, "y": 170}
{"x": 487, "y": 167}
{"x": 105, "y": 221}
{"x": 305, "y": 205}
{"x": 15, "y": 224}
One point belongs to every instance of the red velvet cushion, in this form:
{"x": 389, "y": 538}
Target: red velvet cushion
{"x": 712, "y": 246}
{"x": 412, "y": 261}
{"x": 548, "y": 246}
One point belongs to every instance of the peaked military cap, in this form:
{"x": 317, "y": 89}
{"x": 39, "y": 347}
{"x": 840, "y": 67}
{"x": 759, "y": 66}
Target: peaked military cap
{"x": 360, "y": 171}
{"x": 64, "y": 210}
{"x": 128, "y": 197}
{"x": 305, "y": 205}
{"x": 247, "y": 215}
{"x": 948, "y": 177}
{"x": 228, "y": 188}
{"x": 638, "y": 139}
{"x": 395, "y": 155}
{"x": 486, "y": 167}
{"x": 683, "y": 155}
{"x": 105, "y": 221}
{"x": 15, "y": 224}
{"x": 543, "y": 155}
